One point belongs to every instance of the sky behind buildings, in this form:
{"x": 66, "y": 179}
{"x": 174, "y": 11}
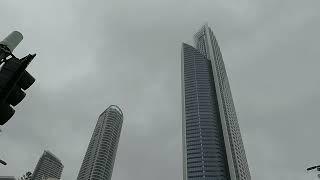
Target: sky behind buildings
{"x": 94, "y": 54}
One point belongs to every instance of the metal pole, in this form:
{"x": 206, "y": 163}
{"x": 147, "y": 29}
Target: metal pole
{"x": 3, "y": 162}
{"x": 315, "y": 168}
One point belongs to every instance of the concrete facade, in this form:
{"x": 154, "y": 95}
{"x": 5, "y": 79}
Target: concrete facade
{"x": 48, "y": 166}
{"x": 101, "y": 153}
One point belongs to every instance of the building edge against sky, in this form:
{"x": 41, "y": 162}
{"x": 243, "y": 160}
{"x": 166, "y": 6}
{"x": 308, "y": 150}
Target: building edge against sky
{"x": 206, "y": 43}
{"x": 48, "y": 166}
{"x": 100, "y": 156}
{"x": 233, "y": 140}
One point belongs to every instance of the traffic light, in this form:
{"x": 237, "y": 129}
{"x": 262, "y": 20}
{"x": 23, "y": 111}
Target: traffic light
{"x": 13, "y": 77}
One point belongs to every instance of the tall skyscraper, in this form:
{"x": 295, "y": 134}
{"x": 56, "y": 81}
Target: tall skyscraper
{"x": 212, "y": 144}
{"x": 100, "y": 156}
{"x": 48, "y": 166}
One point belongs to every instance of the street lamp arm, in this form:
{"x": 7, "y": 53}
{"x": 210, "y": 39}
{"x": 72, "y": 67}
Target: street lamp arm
{"x": 313, "y": 167}
{"x": 3, "y": 162}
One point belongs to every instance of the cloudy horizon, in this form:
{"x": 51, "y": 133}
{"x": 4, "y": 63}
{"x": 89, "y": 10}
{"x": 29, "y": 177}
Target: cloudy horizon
{"x": 127, "y": 53}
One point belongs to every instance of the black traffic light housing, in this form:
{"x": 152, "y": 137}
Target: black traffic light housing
{"x": 13, "y": 80}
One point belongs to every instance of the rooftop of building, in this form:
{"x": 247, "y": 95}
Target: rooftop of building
{"x": 114, "y": 107}
{"x": 51, "y": 154}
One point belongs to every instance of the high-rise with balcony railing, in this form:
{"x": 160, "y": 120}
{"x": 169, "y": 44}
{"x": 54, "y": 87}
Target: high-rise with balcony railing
{"x": 48, "y": 166}
{"x": 101, "y": 153}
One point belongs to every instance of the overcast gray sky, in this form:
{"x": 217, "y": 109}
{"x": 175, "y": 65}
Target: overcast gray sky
{"x": 91, "y": 54}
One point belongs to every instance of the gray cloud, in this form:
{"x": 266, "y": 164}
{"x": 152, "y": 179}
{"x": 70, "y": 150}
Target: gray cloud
{"x": 91, "y": 55}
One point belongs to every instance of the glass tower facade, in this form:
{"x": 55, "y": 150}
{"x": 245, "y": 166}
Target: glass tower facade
{"x": 100, "y": 156}
{"x": 48, "y": 166}
{"x": 212, "y": 144}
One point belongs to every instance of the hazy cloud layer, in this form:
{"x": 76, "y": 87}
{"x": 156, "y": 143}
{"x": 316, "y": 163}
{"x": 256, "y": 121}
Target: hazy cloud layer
{"x": 91, "y": 54}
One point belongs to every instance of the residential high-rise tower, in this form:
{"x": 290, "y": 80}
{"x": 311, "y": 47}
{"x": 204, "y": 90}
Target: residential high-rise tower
{"x": 100, "y": 156}
{"x": 212, "y": 143}
{"x": 48, "y": 166}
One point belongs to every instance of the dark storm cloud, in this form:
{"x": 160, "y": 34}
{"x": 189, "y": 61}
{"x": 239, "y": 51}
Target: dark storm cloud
{"x": 91, "y": 55}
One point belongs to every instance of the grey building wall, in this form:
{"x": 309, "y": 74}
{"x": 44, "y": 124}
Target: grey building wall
{"x": 234, "y": 153}
{"x": 48, "y": 166}
{"x": 100, "y": 156}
